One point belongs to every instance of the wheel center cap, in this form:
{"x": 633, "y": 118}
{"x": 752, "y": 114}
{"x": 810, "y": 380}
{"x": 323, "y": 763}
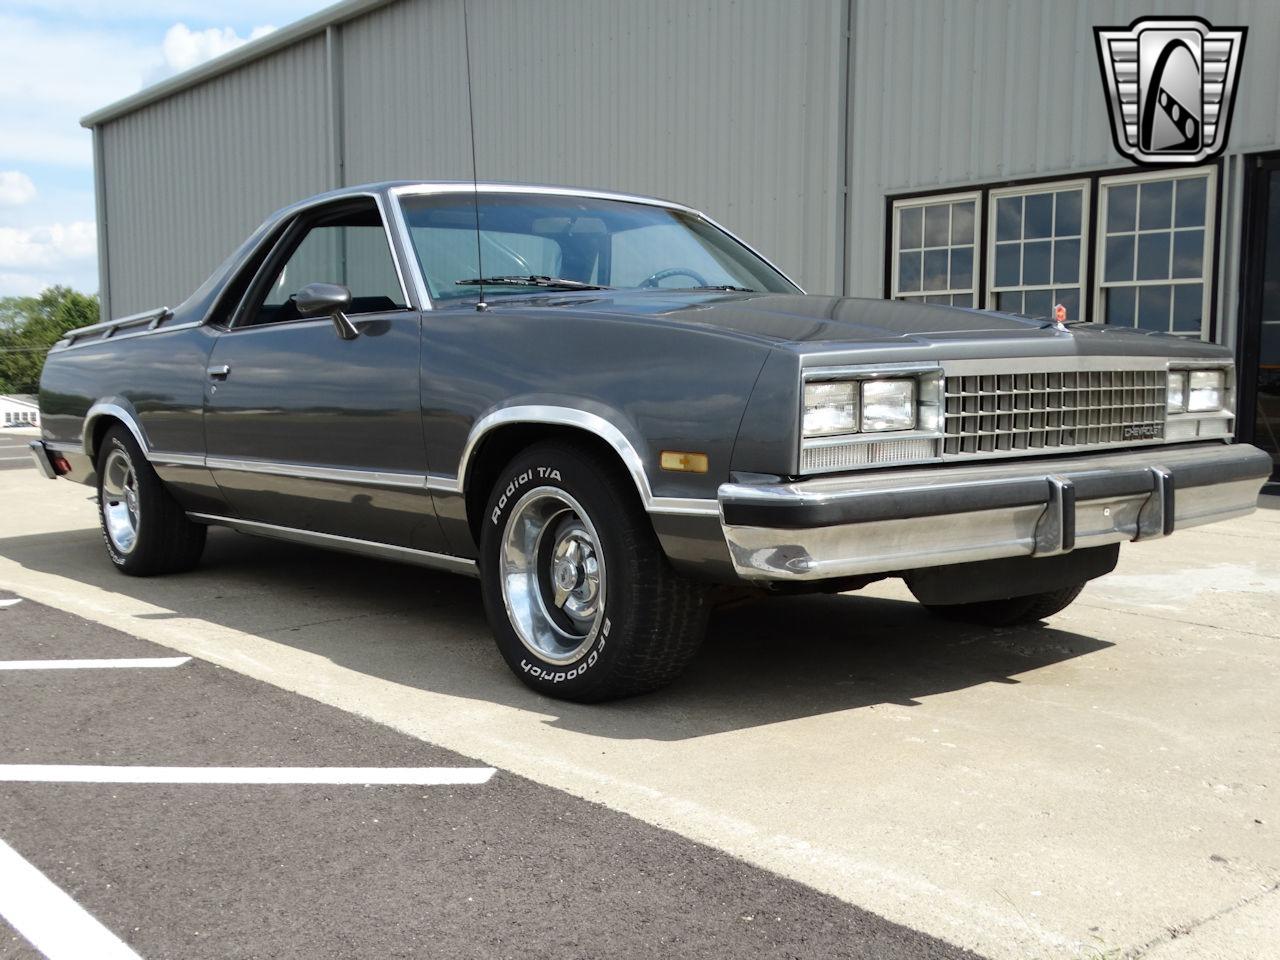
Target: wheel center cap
{"x": 567, "y": 574}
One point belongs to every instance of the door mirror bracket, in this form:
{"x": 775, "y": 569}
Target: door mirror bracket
{"x": 328, "y": 298}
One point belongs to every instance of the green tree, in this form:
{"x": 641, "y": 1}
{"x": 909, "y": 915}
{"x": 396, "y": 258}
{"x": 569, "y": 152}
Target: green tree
{"x": 29, "y": 326}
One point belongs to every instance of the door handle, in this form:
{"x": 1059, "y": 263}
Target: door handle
{"x": 220, "y": 372}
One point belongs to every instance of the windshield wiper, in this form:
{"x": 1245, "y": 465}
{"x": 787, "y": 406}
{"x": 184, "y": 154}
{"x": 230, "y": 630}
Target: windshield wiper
{"x": 530, "y": 281}
{"x": 722, "y": 286}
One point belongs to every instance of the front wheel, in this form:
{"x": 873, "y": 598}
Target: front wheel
{"x": 1012, "y": 611}
{"x": 582, "y": 602}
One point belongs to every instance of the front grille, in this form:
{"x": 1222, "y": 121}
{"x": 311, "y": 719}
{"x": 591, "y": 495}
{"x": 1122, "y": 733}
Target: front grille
{"x": 995, "y": 413}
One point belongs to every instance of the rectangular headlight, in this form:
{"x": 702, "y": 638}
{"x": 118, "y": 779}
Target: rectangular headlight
{"x": 1206, "y": 391}
{"x": 1176, "y": 397}
{"x": 830, "y": 409}
{"x": 888, "y": 405}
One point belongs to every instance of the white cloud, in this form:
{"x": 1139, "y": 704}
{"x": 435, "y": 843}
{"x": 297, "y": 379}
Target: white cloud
{"x": 48, "y": 247}
{"x": 16, "y": 188}
{"x": 185, "y": 48}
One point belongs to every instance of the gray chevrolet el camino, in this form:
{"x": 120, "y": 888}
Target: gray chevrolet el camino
{"x": 606, "y": 406}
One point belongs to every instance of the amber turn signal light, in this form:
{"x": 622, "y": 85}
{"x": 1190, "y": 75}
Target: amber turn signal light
{"x": 685, "y": 462}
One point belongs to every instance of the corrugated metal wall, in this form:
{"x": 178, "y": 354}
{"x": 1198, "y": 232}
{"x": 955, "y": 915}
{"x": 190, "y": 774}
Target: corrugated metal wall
{"x": 960, "y": 92}
{"x": 734, "y": 107}
{"x": 730, "y": 107}
{"x": 188, "y": 178}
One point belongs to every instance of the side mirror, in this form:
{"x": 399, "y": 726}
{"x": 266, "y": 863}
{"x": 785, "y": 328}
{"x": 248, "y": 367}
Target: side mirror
{"x": 330, "y": 298}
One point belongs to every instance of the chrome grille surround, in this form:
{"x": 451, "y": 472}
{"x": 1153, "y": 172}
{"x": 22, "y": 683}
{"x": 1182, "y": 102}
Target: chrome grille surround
{"x": 1020, "y": 407}
{"x": 1052, "y": 410}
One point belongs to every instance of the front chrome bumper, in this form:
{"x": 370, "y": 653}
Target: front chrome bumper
{"x": 891, "y": 521}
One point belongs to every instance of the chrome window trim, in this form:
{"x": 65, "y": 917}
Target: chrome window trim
{"x": 398, "y": 193}
{"x": 368, "y": 548}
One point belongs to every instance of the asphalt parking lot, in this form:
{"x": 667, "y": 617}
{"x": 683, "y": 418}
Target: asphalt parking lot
{"x": 1100, "y": 787}
{"x": 13, "y": 449}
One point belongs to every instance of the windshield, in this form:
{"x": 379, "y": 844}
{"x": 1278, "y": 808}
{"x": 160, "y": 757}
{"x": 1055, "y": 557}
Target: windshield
{"x": 534, "y": 242}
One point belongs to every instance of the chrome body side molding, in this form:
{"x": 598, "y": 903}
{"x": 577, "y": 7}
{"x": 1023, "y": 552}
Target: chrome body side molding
{"x": 305, "y": 471}
{"x": 367, "y": 548}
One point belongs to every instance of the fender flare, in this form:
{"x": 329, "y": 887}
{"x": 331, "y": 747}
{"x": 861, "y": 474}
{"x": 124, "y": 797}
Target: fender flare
{"x": 117, "y": 409}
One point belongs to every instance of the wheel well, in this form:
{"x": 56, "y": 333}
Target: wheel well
{"x": 499, "y": 446}
{"x": 101, "y": 424}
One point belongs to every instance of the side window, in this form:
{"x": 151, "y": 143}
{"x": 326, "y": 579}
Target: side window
{"x": 350, "y": 249}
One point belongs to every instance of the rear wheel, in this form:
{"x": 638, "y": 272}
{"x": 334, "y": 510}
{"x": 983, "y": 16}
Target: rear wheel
{"x": 1011, "y": 611}
{"x": 583, "y": 603}
{"x": 144, "y": 528}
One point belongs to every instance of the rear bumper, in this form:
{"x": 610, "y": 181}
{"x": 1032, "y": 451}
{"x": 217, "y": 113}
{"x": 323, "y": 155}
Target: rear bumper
{"x": 40, "y": 454}
{"x": 891, "y": 521}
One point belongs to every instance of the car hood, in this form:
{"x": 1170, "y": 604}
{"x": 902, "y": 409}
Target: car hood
{"x": 810, "y": 322}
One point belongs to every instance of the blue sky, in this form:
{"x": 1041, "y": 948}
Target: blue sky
{"x": 61, "y": 59}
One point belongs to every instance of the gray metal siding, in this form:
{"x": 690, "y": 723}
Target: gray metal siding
{"x": 404, "y": 83}
{"x": 730, "y": 107}
{"x": 189, "y": 177}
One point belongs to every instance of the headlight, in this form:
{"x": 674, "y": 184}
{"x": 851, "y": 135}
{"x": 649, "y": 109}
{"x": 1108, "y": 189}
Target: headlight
{"x": 1176, "y": 401}
{"x": 888, "y": 405}
{"x": 1207, "y": 390}
{"x": 830, "y": 408}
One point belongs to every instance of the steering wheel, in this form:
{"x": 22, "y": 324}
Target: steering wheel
{"x": 652, "y": 280}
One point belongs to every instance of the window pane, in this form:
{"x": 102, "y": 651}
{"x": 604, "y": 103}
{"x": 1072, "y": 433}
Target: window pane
{"x": 1038, "y": 303}
{"x": 935, "y": 268}
{"x": 909, "y": 271}
{"x": 961, "y": 267}
{"x": 1155, "y": 207}
{"x": 1038, "y": 215}
{"x": 962, "y": 222}
{"x": 936, "y": 227}
{"x": 1066, "y": 261}
{"x": 1035, "y": 262}
{"x": 1071, "y": 300}
{"x": 1119, "y": 259}
{"x": 1153, "y": 308}
{"x": 909, "y": 228}
{"x": 1191, "y": 196}
{"x": 1188, "y": 253}
{"x": 1121, "y": 206}
{"x": 938, "y": 298}
{"x": 1153, "y": 256}
{"x": 1009, "y": 218}
{"x": 962, "y": 300}
{"x": 1067, "y": 222}
{"x": 1009, "y": 301}
{"x": 1008, "y": 265}
{"x": 1188, "y": 307}
{"x": 1119, "y": 306}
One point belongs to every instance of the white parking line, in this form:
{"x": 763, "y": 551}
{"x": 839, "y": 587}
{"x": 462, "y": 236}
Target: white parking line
{"x": 136, "y": 663}
{"x": 397, "y": 776}
{"x": 10, "y": 602}
{"x": 50, "y": 920}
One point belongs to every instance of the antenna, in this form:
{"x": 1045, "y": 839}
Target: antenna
{"x": 475, "y": 177}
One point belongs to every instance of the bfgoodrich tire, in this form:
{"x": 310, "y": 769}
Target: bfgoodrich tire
{"x": 1010, "y": 612}
{"x": 144, "y": 528}
{"x": 582, "y": 602}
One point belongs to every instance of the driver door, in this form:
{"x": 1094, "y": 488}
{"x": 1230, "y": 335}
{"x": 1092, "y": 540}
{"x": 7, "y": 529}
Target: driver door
{"x": 310, "y": 431}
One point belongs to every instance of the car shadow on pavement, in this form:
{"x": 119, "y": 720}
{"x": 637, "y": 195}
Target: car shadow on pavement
{"x": 763, "y": 662}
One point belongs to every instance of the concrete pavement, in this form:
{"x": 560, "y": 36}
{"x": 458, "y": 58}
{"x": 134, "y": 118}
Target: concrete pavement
{"x": 1105, "y": 786}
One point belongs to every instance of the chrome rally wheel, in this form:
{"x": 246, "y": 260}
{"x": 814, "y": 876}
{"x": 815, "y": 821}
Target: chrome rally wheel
{"x": 121, "y": 501}
{"x": 552, "y": 575}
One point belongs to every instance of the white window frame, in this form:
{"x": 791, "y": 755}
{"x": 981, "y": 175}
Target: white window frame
{"x": 918, "y": 296}
{"x": 1023, "y": 190}
{"x": 1210, "y": 235}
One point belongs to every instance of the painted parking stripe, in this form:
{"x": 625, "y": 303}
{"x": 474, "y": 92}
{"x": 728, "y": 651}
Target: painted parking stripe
{"x": 10, "y": 602}
{"x": 48, "y": 918}
{"x": 15, "y": 458}
{"x": 135, "y": 663}
{"x": 397, "y": 776}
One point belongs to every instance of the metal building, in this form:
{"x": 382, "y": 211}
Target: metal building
{"x": 954, "y": 150}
